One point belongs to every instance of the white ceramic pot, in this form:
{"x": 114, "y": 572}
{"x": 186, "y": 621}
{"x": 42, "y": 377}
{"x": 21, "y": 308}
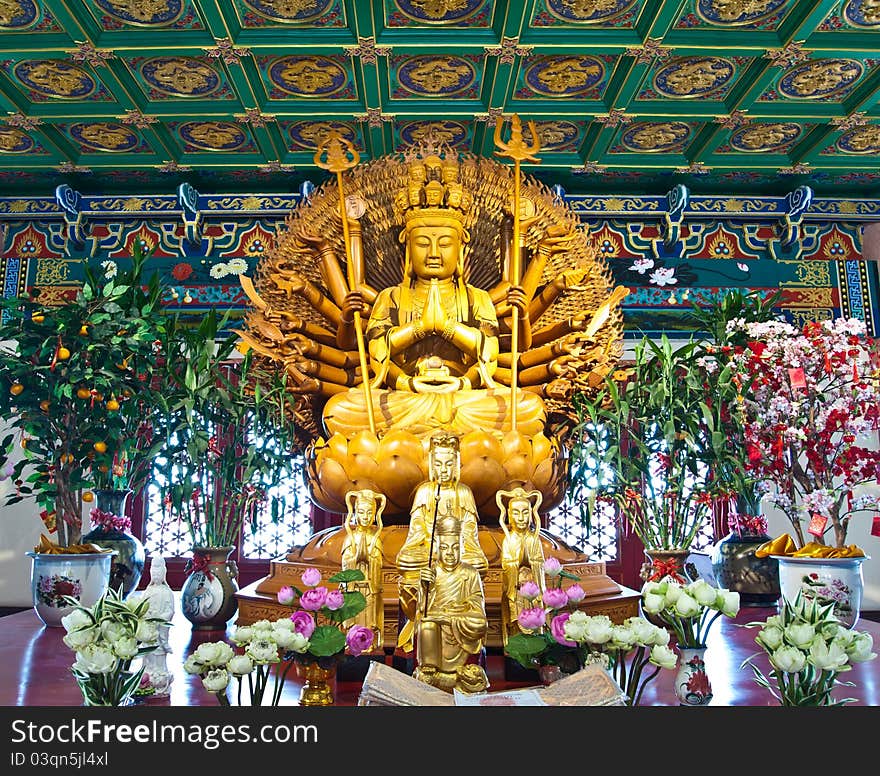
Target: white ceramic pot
{"x": 825, "y": 579}
{"x": 84, "y": 577}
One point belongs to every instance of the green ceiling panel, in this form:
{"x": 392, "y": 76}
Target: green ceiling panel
{"x": 629, "y": 96}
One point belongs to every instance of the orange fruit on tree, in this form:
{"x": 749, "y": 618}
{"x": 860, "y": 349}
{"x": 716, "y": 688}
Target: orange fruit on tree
{"x": 83, "y": 393}
{"x": 99, "y": 397}
{"x": 88, "y": 496}
{"x": 67, "y": 458}
{"x": 63, "y": 353}
{"x": 44, "y": 405}
{"x": 112, "y": 405}
{"x": 16, "y": 388}
{"x": 37, "y": 318}
{"x": 100, "y": 447}
{"x": 84, "y": 330}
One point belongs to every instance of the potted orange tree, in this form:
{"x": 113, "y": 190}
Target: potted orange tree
{"x": 74, "y": 379}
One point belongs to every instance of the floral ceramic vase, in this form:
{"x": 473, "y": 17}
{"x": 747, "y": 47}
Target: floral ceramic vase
{"x": 317, "y": 688}
{"x": 53, "y": 576}
{"x": 692, "y": 687}
{"x": 128, "y": 562}
{"x": 207, "y": 598}
{"x": 826, "y": 580}
{"x": 736, "y": 568}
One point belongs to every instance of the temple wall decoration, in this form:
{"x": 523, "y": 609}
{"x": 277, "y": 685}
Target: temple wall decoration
{"x": 670, "y": 250}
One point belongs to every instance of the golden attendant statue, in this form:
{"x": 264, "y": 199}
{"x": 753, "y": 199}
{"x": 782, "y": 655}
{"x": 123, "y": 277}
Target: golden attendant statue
{"x": 449, "y": 610}
{"x": 522, "y": 554}
{"x": 362, "y": 550}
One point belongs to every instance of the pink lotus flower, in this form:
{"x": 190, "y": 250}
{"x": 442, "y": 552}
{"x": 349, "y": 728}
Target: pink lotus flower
{"x": 557, "y": 628}
{"x": 303, "y": 623}
{"x": 314, "y": 599}
{"x": 555, "y": 598}
{"x": 530, "y": 590}
{"x": 335, "y": 600}
{"x": 532, "y": 619}
{"x": 552, "y": 567}
{"x": 575, "y": 593}
{"x": 359, "y": 639}
{"x": 286, "y": 595}
{"x": 311, "y": 577}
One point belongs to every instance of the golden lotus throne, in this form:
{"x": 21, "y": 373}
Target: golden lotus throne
{"x": 420, "y": 289}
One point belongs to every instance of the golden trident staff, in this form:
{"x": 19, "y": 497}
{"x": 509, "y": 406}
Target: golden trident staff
{"x": 337, "y": 155}
{"x": 519, "y": 151}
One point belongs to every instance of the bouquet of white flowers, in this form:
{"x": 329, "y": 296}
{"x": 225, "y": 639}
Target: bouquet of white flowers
{"x": 808, "y": 648}
{"x": 106, "y": 638}
{"x": 265, "y": 644}
{"x": 690, "y": 609}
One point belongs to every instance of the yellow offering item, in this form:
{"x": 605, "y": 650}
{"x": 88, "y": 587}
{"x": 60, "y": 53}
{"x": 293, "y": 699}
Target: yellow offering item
{"x": 46, "y": 547}
{"x": 784, "y": 545}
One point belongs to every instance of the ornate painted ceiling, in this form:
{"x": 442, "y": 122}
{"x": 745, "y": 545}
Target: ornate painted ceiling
{"x": 628, "y": 96}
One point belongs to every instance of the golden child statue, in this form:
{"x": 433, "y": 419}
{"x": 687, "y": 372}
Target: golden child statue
{"x": 522, "y": 555}
{"x": 449, "y": 610}
{"x": 362, "y": 550}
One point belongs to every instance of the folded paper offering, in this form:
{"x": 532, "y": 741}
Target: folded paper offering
{"x": 47, "y": 547}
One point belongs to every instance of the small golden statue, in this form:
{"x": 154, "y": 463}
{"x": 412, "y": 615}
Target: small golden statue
{"x": 362, "y": 550}
{"x": 449, "y": 609}
{"x": 442, "y": 495}
{"x": 522, "y": 555}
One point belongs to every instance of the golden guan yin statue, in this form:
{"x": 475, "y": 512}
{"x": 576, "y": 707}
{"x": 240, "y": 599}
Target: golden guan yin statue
{"x": 411, "y": 317}
{"x": 362, "y": 551}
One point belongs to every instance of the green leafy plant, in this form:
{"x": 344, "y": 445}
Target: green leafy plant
{"x": 76, "y": 390}
{"x": 229, "y": 434}
{"x": 645, "y": 445}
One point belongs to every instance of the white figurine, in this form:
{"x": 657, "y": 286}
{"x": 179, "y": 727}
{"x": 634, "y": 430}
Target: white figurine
{"x": 161, "y": 598}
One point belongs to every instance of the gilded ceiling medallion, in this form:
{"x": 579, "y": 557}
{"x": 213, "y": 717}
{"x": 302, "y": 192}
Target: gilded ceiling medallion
{"x": 820, "y": 78}
{"x": 290, "y": 10}
{"x": 862, "y": 13}
{"x": 439, "y": 11}
{"x": 436, "y": 76}
{"x": 14, "y": 141}
{"x": 554, "y": 135}
{"x": 688, "y": 77}
{"x": 754, "y": 138}
{"x": 306, "y": 135}
{"x": 55, "y": 78}
{"x": 213, "y": 135}
{"x": 588, "y": 11}
{"x": 18, "y": 14}
{"x": 104, "y": 136}
{"x": 308, "y": 76}
{"x": 143, "y": 13}
{"x": 180, "y": 76}
{"x": 736, "y": 13}
{"x": 450, "y": 133}
{"x": 650, "y": 137}
{"x": 564, "y": 76}
{"x": 862, "y": 140}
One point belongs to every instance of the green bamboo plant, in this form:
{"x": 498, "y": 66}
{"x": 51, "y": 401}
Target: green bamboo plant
{"x": 229, "y": 434}
{"x": 645, "y": 445}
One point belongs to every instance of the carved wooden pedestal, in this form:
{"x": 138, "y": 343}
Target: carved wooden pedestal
{"x": 324, "y": 550}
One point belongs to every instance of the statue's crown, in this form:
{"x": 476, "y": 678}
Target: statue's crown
{"x": 433, "y": 188}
